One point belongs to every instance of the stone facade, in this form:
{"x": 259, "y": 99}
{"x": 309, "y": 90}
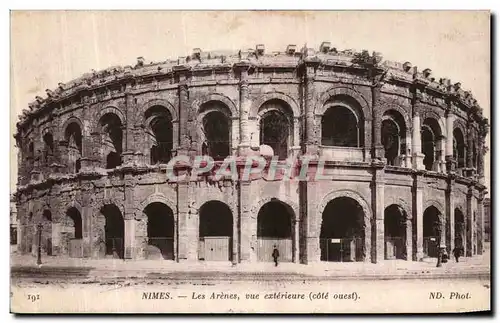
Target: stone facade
{"x": 92, "y": 164}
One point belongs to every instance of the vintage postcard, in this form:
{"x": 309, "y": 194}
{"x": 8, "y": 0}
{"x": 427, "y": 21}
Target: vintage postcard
{"x": 250, "y": 162}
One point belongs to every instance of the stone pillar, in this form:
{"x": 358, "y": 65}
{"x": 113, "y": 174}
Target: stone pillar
{"x": 20, "y": 233}
{"x": 408, "y": 151}
{"x": 418, "y": 215}
{"x": 378, "y": 148}
{"x": 378, "y": 235}
{"x": 450, "y": 217}
{"x": 296, "y": 132}
{"x": 296, "y": 237}
{"x": 450, "y": 160}
{"x": 409, "y": 237}
{"x": 481, "y": 152}
{"x": 246, "y": 252}
{"x": 311, "y": 137}
{"x": 129, "y": 238}
{"x": 184, "y": 143}
{"x": 480, "y": 214}
{"x": 245, "y": 104}
{"x": 470, "y": 144}
{"x": 182, "y": 219}
{"x": 469, "y": 224}
{"x": 418, "y": 157}
{"x": 129, "y": 189}
{"x": 450, "y": 118}
{"x": 129, "y": 142}
{"x": 56, "y": 236}
{"x": 236, "y": 223}
{"x": 312, "y": 225}
{"x": 442, "y": 159}
{"x": 235, "y": 134}
{"x": 86, "y": 227}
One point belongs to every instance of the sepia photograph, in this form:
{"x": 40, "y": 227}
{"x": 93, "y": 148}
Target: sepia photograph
{"x": 250, "y": 162}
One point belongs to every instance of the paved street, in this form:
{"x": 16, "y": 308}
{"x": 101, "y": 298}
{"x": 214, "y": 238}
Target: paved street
{"x": 24, "y": 267}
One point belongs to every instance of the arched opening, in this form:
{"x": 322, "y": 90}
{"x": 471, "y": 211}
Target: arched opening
{"x": 395, "y": 232}
{"x": 341, "y": 126}
{"x": 342, "y": 231}
{"x": 216, "y": 132}
{"x": 73, "y": 136}
{"x": 393, "y": 136}
{"x": 216, "y": 232}
{"x": 459, "y": 150}
{"x": 114, "y": 231}
{"x": 275, "y": 228}
{"x": 48, "y": 150}
{"x": 161, "y": 228}
{"x": 112, "y": 139}
{"x": 276, "y": 127}
{"x": 76, "y": 222}
{"x": 432, "y": 231}
{"x": 47, "y": 232}
{"x": 459, "y": 229}
{"x": 160, "y": 133}
{"x": 74, "y": 232}
{"x": 431, "y": 140}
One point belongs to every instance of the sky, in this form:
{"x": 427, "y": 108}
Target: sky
{"x": 52, "y": 47}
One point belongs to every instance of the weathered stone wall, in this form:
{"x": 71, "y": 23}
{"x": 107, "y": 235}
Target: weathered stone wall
{"x": 307, "y": 83}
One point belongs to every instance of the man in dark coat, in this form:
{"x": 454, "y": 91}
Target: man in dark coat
{"x": 457, "y": 252}
{"x": 276, "y": 255}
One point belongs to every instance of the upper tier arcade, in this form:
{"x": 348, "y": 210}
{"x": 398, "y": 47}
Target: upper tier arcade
{"x": 391, "y": 113}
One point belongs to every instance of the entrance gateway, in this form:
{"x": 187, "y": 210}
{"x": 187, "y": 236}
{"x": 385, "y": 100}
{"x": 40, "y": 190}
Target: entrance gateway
{"x": 216, "y": 232}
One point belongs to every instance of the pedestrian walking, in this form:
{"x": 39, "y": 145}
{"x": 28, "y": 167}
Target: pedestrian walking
{"x": 276, "y": 255}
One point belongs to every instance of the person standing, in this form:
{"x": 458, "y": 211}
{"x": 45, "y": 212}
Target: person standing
{"x": 276, "y": 255}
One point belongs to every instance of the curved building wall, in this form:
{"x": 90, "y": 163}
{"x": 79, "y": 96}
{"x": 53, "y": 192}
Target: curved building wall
{"x": 94, "y": 153}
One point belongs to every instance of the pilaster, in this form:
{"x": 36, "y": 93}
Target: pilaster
{"x": 311, "y": 134}
{"x": 450, "y": 216}
{"x": 378, "y": 236}
{"x": 418, "y": 157}
{"x": 247, "y": 254}
{"x": 469, "y": 224}
{"x": 418, "y": 217}
{"x": 378, "y": 148}
{"x": 245, "y": 104}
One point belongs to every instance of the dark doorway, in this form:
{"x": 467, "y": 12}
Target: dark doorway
{"x": 114, "y": 231}
{"x": 275, "y": 228}
{"x": 459, "y": 229}
{"x": 342, "y": 231}
{"x": 161, "y": 228}
{"x": 395, "y": 232}
{"x": 216, "y": 232}
{"x": 76, "y": 234}
{"x": 432, "y": 231}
